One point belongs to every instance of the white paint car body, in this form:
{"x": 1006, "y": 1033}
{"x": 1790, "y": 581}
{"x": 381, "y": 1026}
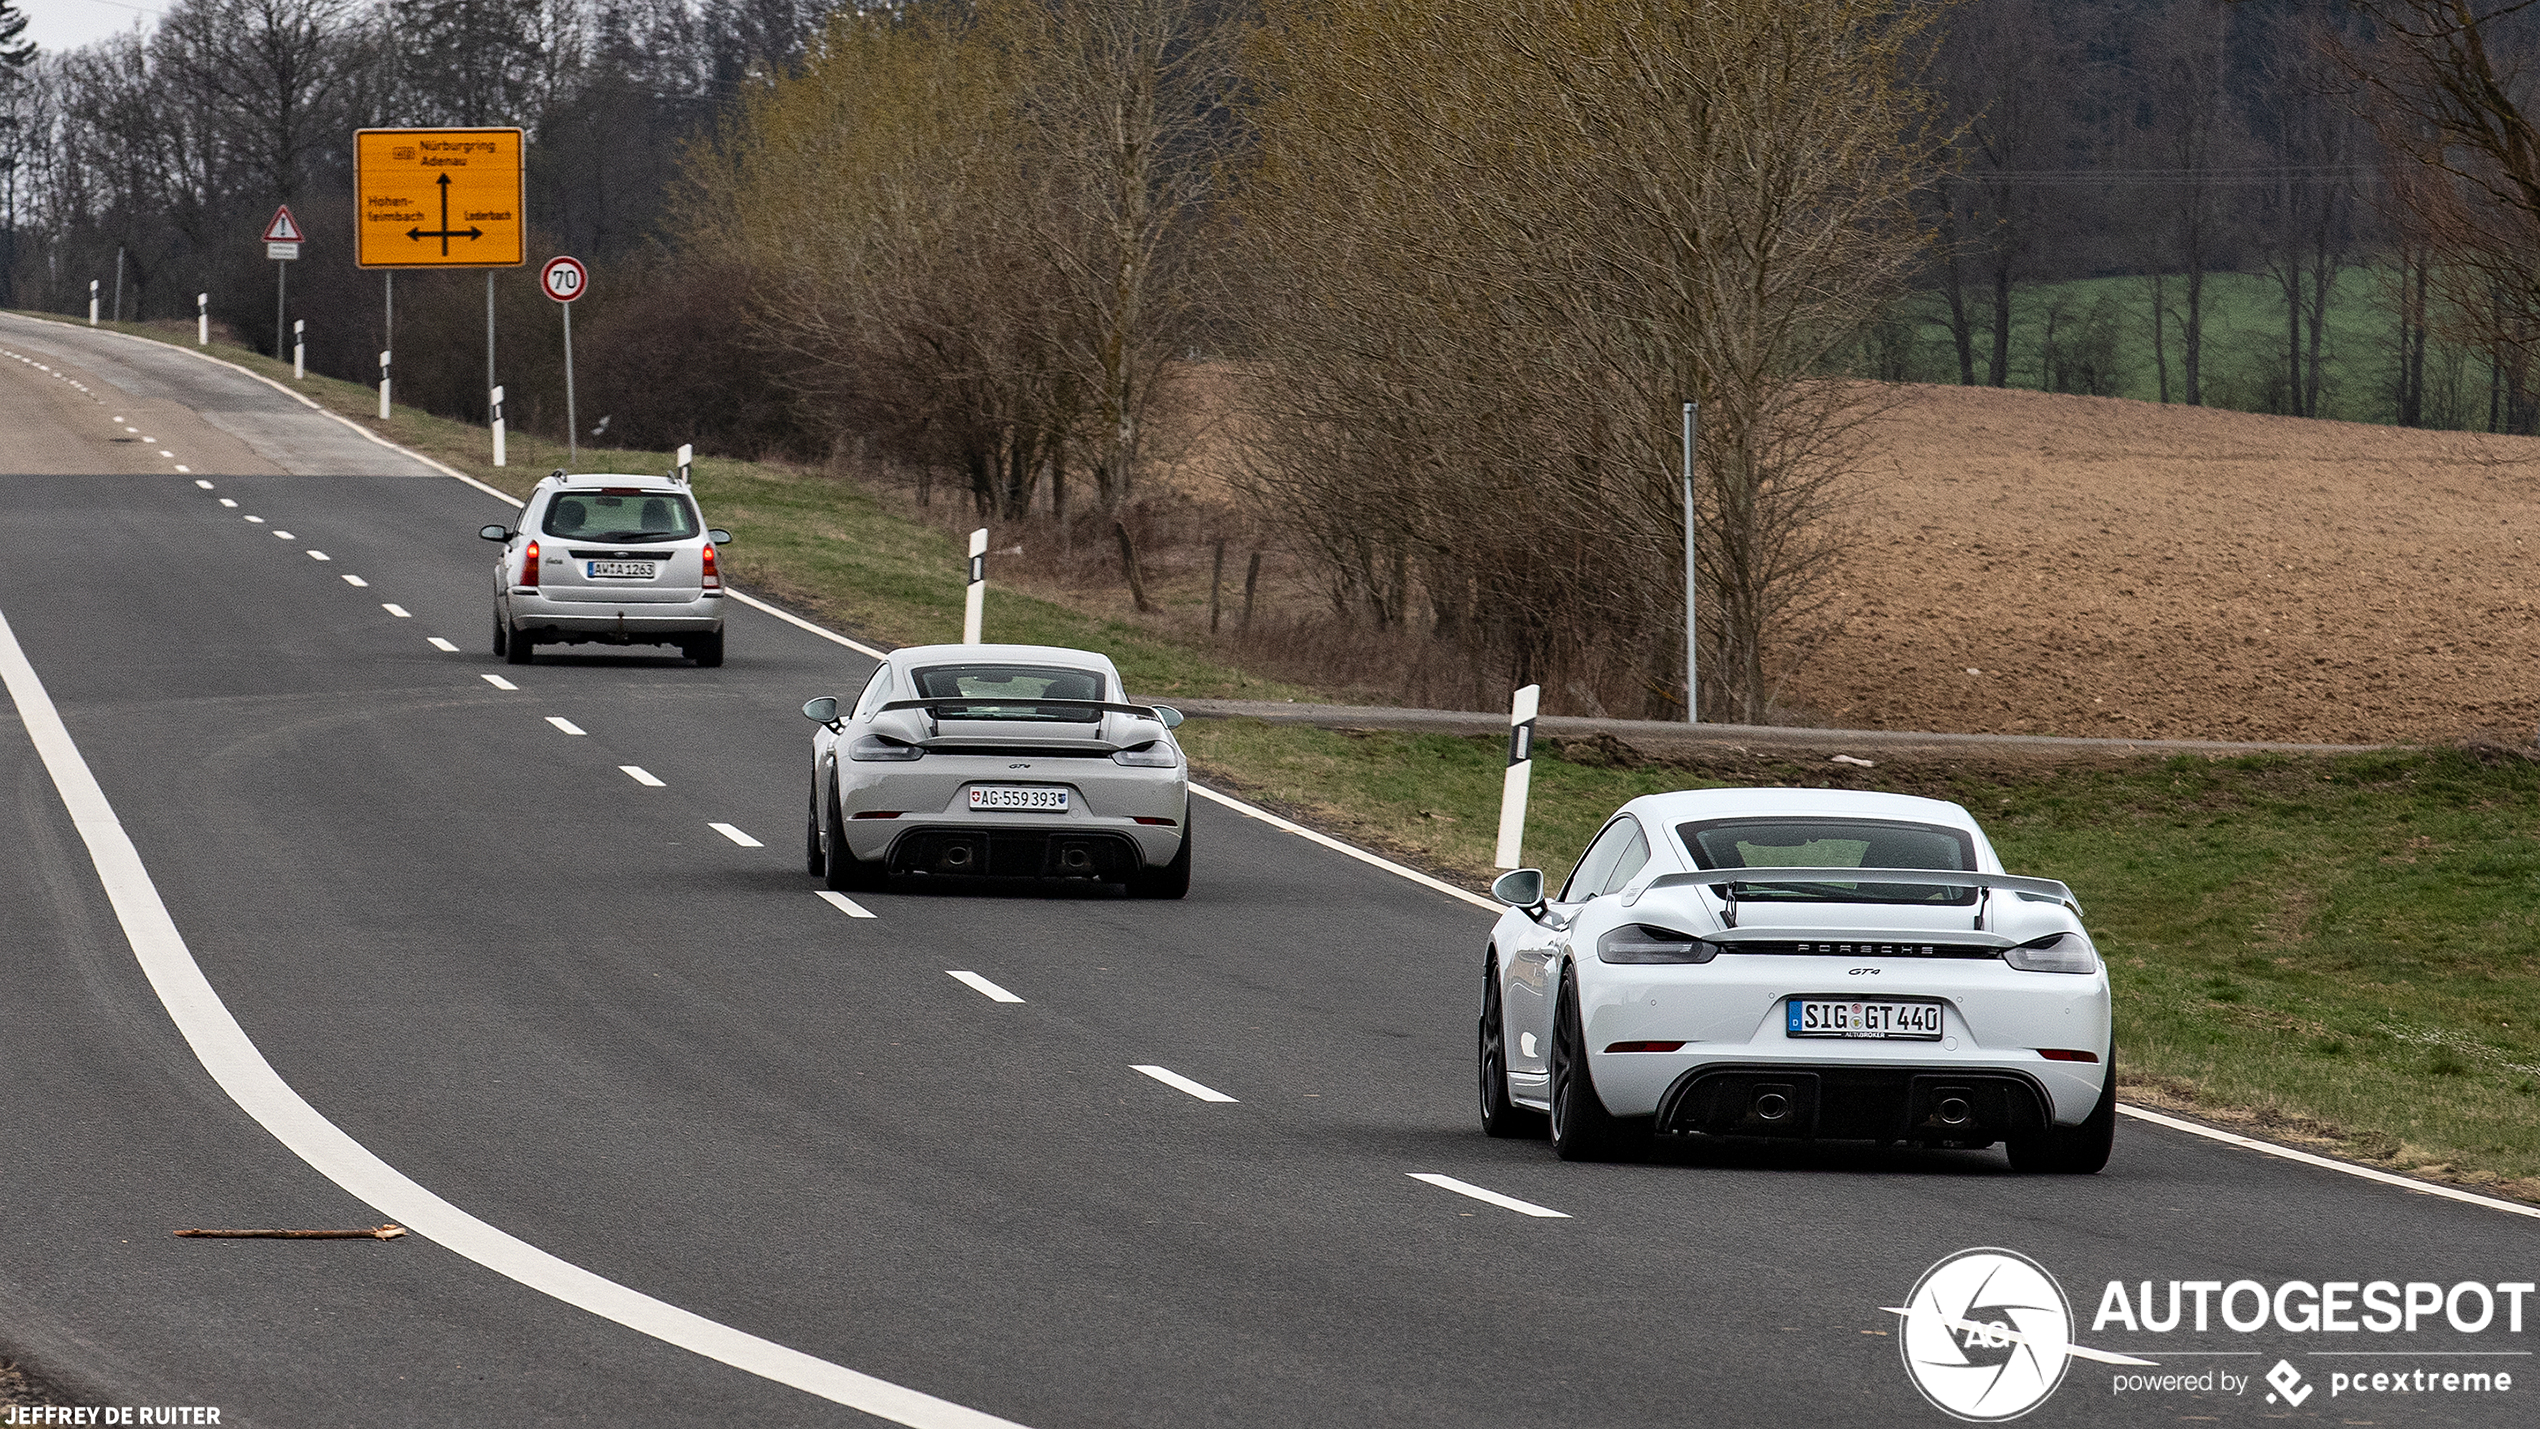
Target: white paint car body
{"x": 1986, "y": 1046}
{"x": 892, "y": 778}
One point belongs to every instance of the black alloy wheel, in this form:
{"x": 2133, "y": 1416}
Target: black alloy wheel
{"x": 842, "y": 871}
{"x": 1173, "y": 879}
{"x": 1582, "y": 1129}
{"x": 706, "y": 650}
{"x": 2074, "y": 1150}
{"x": 1500, "y": 1116}
{"x": 815, "y": 862}
{"x": 521, "y": 646}
{"x": 501, "y": 633}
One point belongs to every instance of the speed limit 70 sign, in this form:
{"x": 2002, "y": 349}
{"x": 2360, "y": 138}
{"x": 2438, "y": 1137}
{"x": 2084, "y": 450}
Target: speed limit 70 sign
{"x": 564, "y": 278}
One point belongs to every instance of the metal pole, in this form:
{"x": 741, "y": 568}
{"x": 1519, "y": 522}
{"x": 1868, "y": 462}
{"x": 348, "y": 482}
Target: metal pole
{"x": 388, "y": 323}
{"x": 489, "y": 330}
{"x": 281, "y": 284}
{"x": 572, "y": 426}
{"x": 1693, "y": 629}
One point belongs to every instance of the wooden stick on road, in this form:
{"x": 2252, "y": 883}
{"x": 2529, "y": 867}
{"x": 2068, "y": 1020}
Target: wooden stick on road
{"x": 387, "y": 1232}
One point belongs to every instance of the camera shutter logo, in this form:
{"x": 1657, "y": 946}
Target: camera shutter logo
{"x": 1986, "y": 1335}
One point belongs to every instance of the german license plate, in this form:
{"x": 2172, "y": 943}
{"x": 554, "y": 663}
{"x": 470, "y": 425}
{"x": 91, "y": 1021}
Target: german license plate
{"x": 1037, "y": 798}
{"x": 1864, "y": 1017}
{"x": 623, "y": 570}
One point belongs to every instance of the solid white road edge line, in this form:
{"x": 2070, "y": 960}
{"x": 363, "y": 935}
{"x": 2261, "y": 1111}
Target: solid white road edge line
{"x": 564, "y": 725}
{"x": 987, "y": 989}
{"x": 242, "y": 1071}
{"x": 1506, "y": 1203}
{"x": 640, "y": 775}
{"x": 844, "y": 904}
{"x": 1363, "y": 856}
{"x": 1181, "y": 1083}
{"x": 729, "y": 832}
{"x": 2269, "y": 1148}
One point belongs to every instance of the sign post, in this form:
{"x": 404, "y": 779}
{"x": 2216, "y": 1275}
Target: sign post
{"x": 1693, "y": 640}
{"x": 282, "y": 245}
{"x": 564, "y": 280}
{"x": 440, "y": 198}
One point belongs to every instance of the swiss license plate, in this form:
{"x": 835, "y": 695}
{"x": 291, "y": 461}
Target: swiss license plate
{"x": 1864, "y": 1017}
{"x": 623, "y": 570}
{"x": 1037, "y": 798}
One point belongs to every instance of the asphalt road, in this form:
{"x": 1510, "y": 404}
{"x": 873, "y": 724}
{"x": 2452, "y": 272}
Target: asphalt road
{"x": 558, "y": 998}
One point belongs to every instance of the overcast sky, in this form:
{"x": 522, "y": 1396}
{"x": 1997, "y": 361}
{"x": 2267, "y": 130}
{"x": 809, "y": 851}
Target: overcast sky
{"x": 68, "y": 24}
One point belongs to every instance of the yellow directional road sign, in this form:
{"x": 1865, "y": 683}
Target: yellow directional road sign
{"x": 438, "y": 198}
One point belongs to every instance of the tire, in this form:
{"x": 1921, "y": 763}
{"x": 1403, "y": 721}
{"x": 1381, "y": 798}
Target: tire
{"x": 1173, "y": 879}
{"x": 706, "y": 650}
{"x": 1500, "y": 1116}
{"x": 815, "y": 862}
{"x": 1582, "y": 1129}
{"x": 841, "y": 871}
{"x": 521, "y": 646}
{"x": 2076, "y": 1150}
{"x": 502, "y": 634}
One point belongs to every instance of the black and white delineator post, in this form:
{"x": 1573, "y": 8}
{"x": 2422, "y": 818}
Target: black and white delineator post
{"x": 495, "y": 406}
{"x": 92, "y": 302}
{"x": 202, "y": 319}
{"x": 974, "y": 601}
{"x": 1521, "y": 773}
{"x": 684, "y": 469}
{"x": 300, "y": 349}
{"x": 383, "y": 386}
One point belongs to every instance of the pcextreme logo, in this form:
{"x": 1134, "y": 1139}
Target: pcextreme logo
{"x": 1988, "y": 1334}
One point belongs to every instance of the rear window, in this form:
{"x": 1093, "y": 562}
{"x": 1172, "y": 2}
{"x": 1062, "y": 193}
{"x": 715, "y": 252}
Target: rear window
{"x": 1833, "y": 843}
{"x": 621, "y": 516}
{"x": 1011, "y": 689}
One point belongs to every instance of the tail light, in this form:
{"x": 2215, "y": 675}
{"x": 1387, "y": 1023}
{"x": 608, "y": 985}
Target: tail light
{"x": 529, "y": 565}
{"x": 714, "y": 577}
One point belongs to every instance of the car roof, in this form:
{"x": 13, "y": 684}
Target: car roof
{"x": 911, "y": 656}
{"x": 655, "y": 482}
{"x": 1695, "y": 804}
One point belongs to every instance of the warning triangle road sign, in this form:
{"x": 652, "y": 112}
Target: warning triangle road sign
{"x": 284, "y": 228}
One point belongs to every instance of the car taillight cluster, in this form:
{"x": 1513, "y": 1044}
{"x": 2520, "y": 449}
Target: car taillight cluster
{"x": 714, "y": 578}
{"x": 529, "y": 565}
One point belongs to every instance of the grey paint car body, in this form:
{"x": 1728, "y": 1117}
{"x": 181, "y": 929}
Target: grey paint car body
{"x": 931, "y": 793}
{"x": 569, "y": 607}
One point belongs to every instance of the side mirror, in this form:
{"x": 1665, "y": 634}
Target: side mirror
{"x": 1519, "y": 888}
{"x": 719, "y": 536}
{"x": 821, "y": 711}
{"x": 1170, "y": 717}
{"x": 495, "y": 533}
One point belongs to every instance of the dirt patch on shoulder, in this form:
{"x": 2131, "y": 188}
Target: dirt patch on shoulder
{"x": 2032, "y": 563}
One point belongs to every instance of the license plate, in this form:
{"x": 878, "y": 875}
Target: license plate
{"x": 634, "y": 570}
{"x": 1865, "y": 1017}
{"x": 1018, "y": 796}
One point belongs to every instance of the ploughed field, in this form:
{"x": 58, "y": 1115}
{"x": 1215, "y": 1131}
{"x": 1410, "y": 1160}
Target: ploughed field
{"x": 2034, "y": 563}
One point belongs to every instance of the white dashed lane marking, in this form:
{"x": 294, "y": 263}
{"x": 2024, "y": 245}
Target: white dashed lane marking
{"x": 355, "y": 581}
{"x": 1488, "y": 1197}
{"x": 1181, "y": 1083}
{"x": 399, "y": 611}
{"x": 569, "y": 727}
{"x": 284, "y": 536}
{"x": 729, "y": 832}
{"x": 259, "y": 520}
{"x": 990, "y": 990}
{"x": 320, "y": 556}
{"x": 204, "y": 484}
{"x": 444, "y": 646}
{"x": 225, "y": 501}
{"x": 640, "y": 775}
{"x": 183, "y": 467}
{"x": 498, "y": 682}
{"x": 844, "y": 904}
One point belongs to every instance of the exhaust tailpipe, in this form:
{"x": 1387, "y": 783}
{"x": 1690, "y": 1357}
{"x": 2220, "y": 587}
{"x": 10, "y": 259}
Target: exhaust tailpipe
{"x": 1954, "y": 1111}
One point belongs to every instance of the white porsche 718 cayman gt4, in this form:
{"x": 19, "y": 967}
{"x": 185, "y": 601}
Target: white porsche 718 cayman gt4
{"x": 1797, "y": 963}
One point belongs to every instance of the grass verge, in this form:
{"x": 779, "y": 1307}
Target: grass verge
{"x": 2332, "y": 952}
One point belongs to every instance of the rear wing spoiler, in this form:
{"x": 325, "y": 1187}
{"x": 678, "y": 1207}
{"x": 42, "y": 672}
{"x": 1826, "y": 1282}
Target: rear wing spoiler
{"x": 1728, "y": 880}
{"x": 939, "y": 707}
